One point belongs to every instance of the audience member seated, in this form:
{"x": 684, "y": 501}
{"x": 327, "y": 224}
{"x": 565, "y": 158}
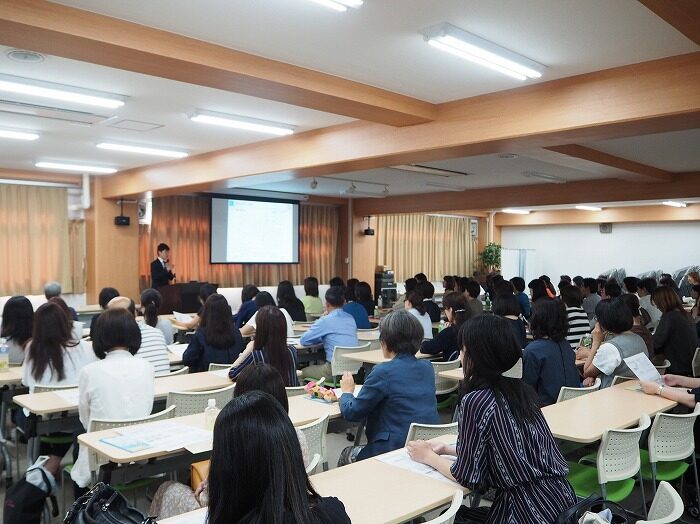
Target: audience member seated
{"x": 312, "y": 304}
{"x": 248, "y": 307}
{"x": 287, "y": 299}
{"x": 590, "y": 295}
{"x": 693, "y": 278}
{"x": 538, "y": 290}
{"x": 427, "y": 291}
{"x": 53, "y": 290}
{"x": 151, "y": 300}
{"x": 336, "y": 328}
{"x": 667, "y": 280}
{"x": 358, "y": 312}
{"x": 611, "y": 289}
{"x": 17, "y": 325}
{"x": 409, "y": 285}
{"x": 612, "y": 343}
{"x": 153, "y": 347}
{"x": 420, "y": 277}
{"x": 504, "y": 287}
{"x": 336, "y": 282}
{"x": 630, "y": 284}
{"x": 551, "y": 290}
{"x": 53, "y": 358}
{"x": 575, "y": 315}
{"x": 645, "y": 288}
{"x": 350, "y": 290}
{"x": 449, "y": 283}
{"x": 577, "y": 281}
{"x": 676, "y": 335}
{"x": 445, "y": 342}
{"x": 270, "y": 346}
{"x": 548, "y": 361}
{"x": 632, "y": 302}
{"x": 75, "y": 326}
{"x": 363, "y": 296}
{"x": 504, "y": 442}
{"x": 415, "y": 306}
{"x": 523, "y": 299}
{"x": 395, "y": 393}
{"x": 101, "y": 384}
{"x": 255, "y": 440}
{"x": 695, "y": 311}
{"x": 205, "y": 291}
{"x": 216, "y": 341}
{"x": 263, "y": 299}
{"x": 472, "y": 292}
{"x": 506, "y": 306}
{"x": 106, "y": 294}
{"x": 684, "y": 390}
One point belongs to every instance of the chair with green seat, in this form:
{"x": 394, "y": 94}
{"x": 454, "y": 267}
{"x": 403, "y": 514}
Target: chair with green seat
{"x": 445, "y": 386}
{"x": 617, "y": 465}
{"x": 57, "y": 439}
{"x": 340, "y": 365}
{"x": 671, "y": 442}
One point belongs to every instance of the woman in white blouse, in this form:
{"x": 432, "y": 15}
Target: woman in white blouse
{"x": 415, "y": 306}
{"x": 101, "y": 385}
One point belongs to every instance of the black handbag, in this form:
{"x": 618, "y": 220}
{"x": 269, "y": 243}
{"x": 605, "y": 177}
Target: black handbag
{"x": 104, "y": 505}
{"x": 594, "y": 504}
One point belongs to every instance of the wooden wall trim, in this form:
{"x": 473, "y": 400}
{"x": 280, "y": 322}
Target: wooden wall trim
{"x": 684, "y": 15}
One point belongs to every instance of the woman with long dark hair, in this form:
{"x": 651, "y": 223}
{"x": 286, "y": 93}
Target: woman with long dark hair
{"x": 151, "y": 300}
{"x": 254, "y": 440}
{"x": 248, "y": 306}
{"x": 538, "y": 290}
{"x": 415, "y": 306}
{"x": 504, "y": 441}
{"x": 17, "y": 325}
{"x": 216, "y": 340}
{"x": 287, "y": 299}
{"x": 270, "y": 346}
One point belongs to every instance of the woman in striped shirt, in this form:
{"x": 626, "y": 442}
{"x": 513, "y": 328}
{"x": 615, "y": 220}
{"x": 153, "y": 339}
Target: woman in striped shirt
{"x": 504, "y": 441}
{"x": 270, "y": 346}
{"x": 576, "y": 316}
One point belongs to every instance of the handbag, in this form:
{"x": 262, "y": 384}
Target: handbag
{"x": 593, "y": 504}
{"x": 104, "y": 505}
{"x": 199, "y": 472}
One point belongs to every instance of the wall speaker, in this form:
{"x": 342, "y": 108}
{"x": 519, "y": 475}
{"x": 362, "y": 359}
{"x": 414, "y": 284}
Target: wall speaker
{"x": 606, "y": 228}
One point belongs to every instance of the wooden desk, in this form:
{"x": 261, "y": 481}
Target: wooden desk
{"x": 368, "y": 336}
{"x": 11, "y": 377}
{"x": 454, "y": 374}
{"x": 375, "y": 356}
{"x": 585, "y": 418}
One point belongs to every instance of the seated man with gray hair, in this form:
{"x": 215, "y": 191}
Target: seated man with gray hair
{"x": 53, "y": 290}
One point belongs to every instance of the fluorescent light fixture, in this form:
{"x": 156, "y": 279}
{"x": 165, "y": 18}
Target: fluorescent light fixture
{"x": 554, "y": 179}
{"x": 40, "y": 183}
{"x": 76, "y": 95}
{"x": 340, "y": 5}
{"x": 512, "y": 211}
{"x": 444, "y": 187}
{"x": 18, "y": 135}
{"x": 77, "y": 168}
{"x": 144, "y": 150}
{"x": 242, "y": 122}
{"x": 589, "y": 208}
{"x": 417, "y": 168}
{"x": 673, "y": 203}
{"x": 468, "y": 46}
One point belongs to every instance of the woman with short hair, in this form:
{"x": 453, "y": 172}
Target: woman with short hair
{"x": 17, "y": 325}
{"x": 312, "y": 302}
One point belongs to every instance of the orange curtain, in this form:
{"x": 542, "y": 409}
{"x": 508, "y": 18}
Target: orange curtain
{"x": 183, "y": 224}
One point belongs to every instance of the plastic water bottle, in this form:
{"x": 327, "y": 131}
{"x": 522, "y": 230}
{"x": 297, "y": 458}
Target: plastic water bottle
{"x": 210, "y": 414}
{"x": 4, "y": 355}
{"x": 487, "y": 303}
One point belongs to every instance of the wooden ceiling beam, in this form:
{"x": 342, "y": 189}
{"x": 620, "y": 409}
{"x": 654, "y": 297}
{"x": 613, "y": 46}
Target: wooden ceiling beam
{"x": 73, "y": 33}
{"x": 40, "y": 176}
{"x": 684, "y": 15}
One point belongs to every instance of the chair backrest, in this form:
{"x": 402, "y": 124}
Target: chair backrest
{"x": 663, "y": 367}
{"x": 315, "y": 434}
{"x": 696, "y": 363}
{"x": 445, "y": 385}
{"x": 311, "y": 468}
{"x": 192, "y": 402}
{"x": 618, "y": 454}
{"x": 48, "y": 389}
{"x": 667, "y": 506}
{"x": 217, "y": 367}
{"x": 340, "y": 365}
{"x": 182, "y": 371}
{"x": 567, "y": 393}
{"x": 671, "y": 436}
{"x": 366, "y": 330}
{"x": 449, "y": 516}
{"x": 295, "y": 391}
{"x": 427, "y": 431}
{"x": 617, "y": 379}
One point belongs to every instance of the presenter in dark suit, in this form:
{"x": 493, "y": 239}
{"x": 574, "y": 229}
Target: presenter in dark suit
{"x": 161, "y": 268}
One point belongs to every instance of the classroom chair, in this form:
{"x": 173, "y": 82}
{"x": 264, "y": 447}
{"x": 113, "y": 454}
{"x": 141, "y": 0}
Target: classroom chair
{"x": 217, "y": 367}
{"x": 667, "y": 506}
{"x": 182, "y": 371}
{"x": 696, "y": 363}
{"x": 193, "y": 402}
{"x": 617, "y": 464}
{"x": 295, "y": 391}
{"x": 311, "y": 468}
{"x": 445, "y": 386}
{"x": 315, "y": 433}
{"x": 340, "y": 365}
{"x": 427, "y": 431}
{"x": 368, "y": 330}
{"x": 567, "y": 393}
{"x": 671, "y": 442}
{"x": 618, "y": 379}
{"x": 449, "y": 516}
{"x": 663, "y": 367}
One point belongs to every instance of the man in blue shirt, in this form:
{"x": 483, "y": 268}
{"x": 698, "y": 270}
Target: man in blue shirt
{"x": 335, "y": 328}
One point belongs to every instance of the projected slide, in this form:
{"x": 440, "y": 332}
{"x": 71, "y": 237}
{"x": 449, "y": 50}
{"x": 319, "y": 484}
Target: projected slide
{"x": 253, "y": 231}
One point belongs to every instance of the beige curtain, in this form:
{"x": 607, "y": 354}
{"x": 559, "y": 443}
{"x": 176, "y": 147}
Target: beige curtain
{"x": 436, "y": 246}
{"x": 76, "y": 250}
{"x": 34, "y": 239}
{"x": 183, "y": 224}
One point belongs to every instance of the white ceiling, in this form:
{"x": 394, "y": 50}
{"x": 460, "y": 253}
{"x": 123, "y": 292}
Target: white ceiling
{"x": 380, "y": 44}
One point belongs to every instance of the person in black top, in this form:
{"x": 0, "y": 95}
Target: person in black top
{"x": 254, "y": 439}
{"x": 363, "y": 295}
{"x": 457, "y": 311}
{"x": 506, "y": 305}
{"x": 106, "y": 294}
{"x": 431, "y": 308}
{"x": 162, "y": 268}
{"x": 350, "y": 290}
{"x": 287, "y": 299}
{"x": 675, "y": 336}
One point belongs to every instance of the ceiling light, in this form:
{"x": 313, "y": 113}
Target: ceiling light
{"x": 673, "y": 203}
{"x": 445, "y": 187}
{"x": 463, "y": 44}
{"x": 314, "y": 184}
{"x": 77, "y": 168}
{"x": 18, "y": 135}
{"x": 417, "y": 168}
{"x": 544, "y": 176}
{"x": 589, "y": 208}
{"x": 339, "y": 5}
{"x": 144, "y": 150}
{"x": 242, "y": 122}
{"x": 77, "y": 95}
{"x": 512, "y": 211}
{"x": 21, "y": 55}
{"x": 40, "y": 183}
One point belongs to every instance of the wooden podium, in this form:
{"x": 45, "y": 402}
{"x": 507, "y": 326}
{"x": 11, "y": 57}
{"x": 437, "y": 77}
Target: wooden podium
{"x": 183, "y": 298}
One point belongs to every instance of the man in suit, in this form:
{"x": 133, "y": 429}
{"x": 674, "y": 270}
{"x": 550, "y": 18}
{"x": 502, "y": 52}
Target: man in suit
{"x": 162, "y": 268}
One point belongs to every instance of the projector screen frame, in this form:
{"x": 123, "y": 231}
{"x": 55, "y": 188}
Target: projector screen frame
{"x": 224, "y": 196}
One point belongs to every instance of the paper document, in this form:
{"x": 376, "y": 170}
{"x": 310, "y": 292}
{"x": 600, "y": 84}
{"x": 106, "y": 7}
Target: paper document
{"x": 71, "y": 396}
{"x": 177, "y": 349}
{"x": 642, "y": 367}
{"x": 339, "y": 392}
{"x": 126, "y": 443}
{"x": 168, "y": 436}
{"x": 400, "y": 459}
{"x": 182, "y": 318}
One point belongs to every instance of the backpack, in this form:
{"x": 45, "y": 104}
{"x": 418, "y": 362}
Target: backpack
{"x": 24, "y": 501}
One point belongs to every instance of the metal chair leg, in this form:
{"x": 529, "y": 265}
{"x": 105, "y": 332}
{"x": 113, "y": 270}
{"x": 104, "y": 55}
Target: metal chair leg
{"x": 641, "y": 486}
{"x": 695, "y": 474}
{"x": 603, "y": 491}
{"x": 653, "y": 479}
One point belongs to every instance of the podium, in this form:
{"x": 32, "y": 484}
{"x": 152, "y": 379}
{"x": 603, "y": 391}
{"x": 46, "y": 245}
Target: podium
{"x": 183, "y": 298}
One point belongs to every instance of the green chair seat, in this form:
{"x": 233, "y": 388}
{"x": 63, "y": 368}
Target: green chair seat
{"x": 63, "y": 439}
{"x": 134, "y": 484}
{"x": 584, "y": 480}
{"x": 447, "y": 402}
{"x": 667, "y": 471}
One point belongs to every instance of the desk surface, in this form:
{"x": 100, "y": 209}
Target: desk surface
{"x": 11, "y": 377}
{"x": 48, "y": 403}
{"x": 455, "y": 374}
{"x": 375, "y": 356}
{"x": 585, "y": 418}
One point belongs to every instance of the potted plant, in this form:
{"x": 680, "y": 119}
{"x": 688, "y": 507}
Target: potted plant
{"x": 490, "y": 257}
